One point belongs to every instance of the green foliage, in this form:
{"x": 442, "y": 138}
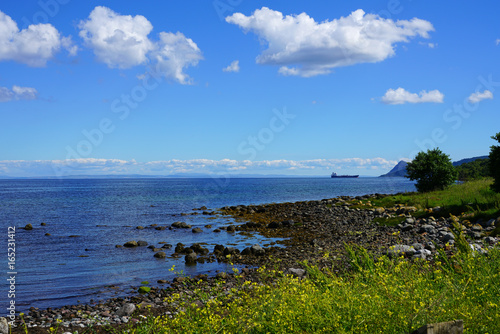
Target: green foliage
{"x": 379, "y": 296}
{"x": 433, "y": 170}
{"x": 474, "y": 170}
{"x": 144, "y": 289}
{"x": 495, "y": 164}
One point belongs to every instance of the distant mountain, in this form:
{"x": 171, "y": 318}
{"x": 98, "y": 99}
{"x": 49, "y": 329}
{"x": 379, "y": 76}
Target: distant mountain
{"x": 398, "y": 171}
{"x": 463, "y": 161}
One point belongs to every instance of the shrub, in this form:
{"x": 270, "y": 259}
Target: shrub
{"x": 495, "y": 164}
{"x": 433, "y": 170}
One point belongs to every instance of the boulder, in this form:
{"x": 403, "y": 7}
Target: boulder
{"x": 131, "y": 244}
{"x": 257, "y": 250}
{"x": 179, "y": 248}
{"x": 181, "y": 225}
{"x": 231, "y": 228}
{"x": 160, "y": 255}
{"x": 190, "y": 258}
{"x": 126, "y": 310}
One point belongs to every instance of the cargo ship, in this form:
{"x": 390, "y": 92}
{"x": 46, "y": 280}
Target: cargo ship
{"x": 335, "y": 176}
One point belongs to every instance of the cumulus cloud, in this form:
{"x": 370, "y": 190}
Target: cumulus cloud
{"x": 121, "y": 41}
{"x": 91, "y": 166}
{"x": 17, "y": 93}
{"x": 497, "y": 42}
{"x": 301, "y": 46}
{"x": 478, "y": 96}
{"x": 33, "y": 46}
{"x": 174, "y": 54}
{"x": 402, "y": 96}
{"x": 233, "y": 67}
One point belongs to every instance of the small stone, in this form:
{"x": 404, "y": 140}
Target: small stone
{"x": 43, "y": 224}
{"x": 28, "y": 227}
{"x": 417, "y": 246}
{"x": 447, "y": 237}
{"x": 142, "y": 243}
{"x": 197, "y": 230}
{"x": 140, "y": 227}
{"x": 297, "y": 272}
{"x": 231, "y": 228}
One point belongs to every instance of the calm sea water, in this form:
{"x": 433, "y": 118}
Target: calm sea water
{"x": 88, "y": 217}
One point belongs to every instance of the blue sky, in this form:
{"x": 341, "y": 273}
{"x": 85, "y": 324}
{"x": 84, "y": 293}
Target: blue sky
{"x": 235, "y": 86}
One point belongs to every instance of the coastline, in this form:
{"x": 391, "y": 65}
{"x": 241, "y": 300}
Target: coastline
{"x": 314, "y": 231}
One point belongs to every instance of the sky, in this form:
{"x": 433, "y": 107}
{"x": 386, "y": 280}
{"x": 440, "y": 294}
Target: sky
{"x": 244, "y": 87}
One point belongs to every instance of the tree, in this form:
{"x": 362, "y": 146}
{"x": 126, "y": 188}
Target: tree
{"x": 495, "y": 164}
{"x": 433, "y": 170}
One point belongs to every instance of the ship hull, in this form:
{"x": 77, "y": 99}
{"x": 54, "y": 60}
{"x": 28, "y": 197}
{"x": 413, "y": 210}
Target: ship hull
{"x": 345, "y": 176}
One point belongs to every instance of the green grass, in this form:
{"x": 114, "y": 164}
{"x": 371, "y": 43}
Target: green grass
{"x": 474, "y": 198}
{"x": 386, "y": 296}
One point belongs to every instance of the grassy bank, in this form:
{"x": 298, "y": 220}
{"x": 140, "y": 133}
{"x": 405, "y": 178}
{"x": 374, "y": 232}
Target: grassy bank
{"x": 382, "y": 296}
{"x": 473, "y": 198}
{"x": 387, "y": 296}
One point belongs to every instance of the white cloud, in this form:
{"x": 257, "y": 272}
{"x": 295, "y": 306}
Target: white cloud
{"x": 478, "y": 97}
{"x": 302, "y": 46}
{"x": 17, "y": 93}
{"x": 233, "y": 67}
{"x": 497, "y": 42}
{"x": 92, "y": 166}
{"x": 117, "y": 40}
{"x": 175, "y": 53}
{"x": 401, "y": 96}
{"x": 33, "y": 46}
{"x": 121, "y": 41}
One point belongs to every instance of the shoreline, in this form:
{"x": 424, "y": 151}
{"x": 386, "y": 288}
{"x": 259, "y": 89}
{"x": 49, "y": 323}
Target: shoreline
{"x": 314, "y": 231}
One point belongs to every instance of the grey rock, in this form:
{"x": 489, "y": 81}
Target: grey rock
{"x": 126, "y": 310}
{"x": 417, "y": 246}
{"x": 398, "y": 250}
{"x": 297, "y": 272}
{"x": 410, "y": 220}
{"x": 427, "y": 229}
{"x": 491, "y": 240}
{"x": 4, "y": 326}
{"x": 257, "y": 250}
{"x": 246, "y": 251}
{"x": 447, "y": 237}
{"x": 430, "y": 246}
{"x": 190, "y": 258}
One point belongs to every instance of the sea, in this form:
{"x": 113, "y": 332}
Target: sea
{"x": 72, "y": 258}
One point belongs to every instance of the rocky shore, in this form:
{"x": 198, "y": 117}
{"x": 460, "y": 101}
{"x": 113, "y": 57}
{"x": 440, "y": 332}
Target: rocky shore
{"x": 313, "y": 231}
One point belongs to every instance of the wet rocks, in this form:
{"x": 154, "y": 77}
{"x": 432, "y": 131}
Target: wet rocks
{"x": 160, "y": 255}
{"x": 181, "y": 225}
{"x": 197, "y": 230}
{"x": 131, "y": 244}
{"x": 142, "y": 243}
{"x": 191, "y": 258}
{"x": 28, "y": 227}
